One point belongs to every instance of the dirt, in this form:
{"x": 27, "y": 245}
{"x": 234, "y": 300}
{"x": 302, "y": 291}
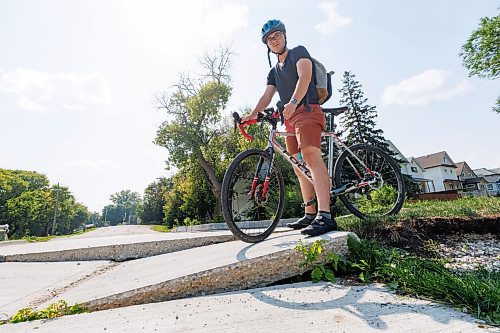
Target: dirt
{"x": 412, "y": 234}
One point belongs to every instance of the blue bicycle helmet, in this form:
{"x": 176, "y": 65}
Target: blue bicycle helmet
{"x": 271, "y": 26}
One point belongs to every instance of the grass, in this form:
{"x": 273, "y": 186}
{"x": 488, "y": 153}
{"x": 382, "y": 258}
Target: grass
{"x": 477, "y": 292}
{"x": 160, "y": 228}
{"x": 36, "y": 239}
{"x": 474, "y": 207}
{"x": 464, "y": 207}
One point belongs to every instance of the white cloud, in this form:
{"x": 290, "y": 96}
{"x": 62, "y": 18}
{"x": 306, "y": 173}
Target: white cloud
{"x": 39, "y": 91}
{"x": 333, "y": 19}
{"x": 421, "y": 89}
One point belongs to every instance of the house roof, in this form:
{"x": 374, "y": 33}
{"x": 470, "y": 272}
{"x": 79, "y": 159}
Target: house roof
{"x": 460, "y": 167}
{"x": 496, "y": 170}
{"x": 492, "y": 178}
{"x": 437, "y": 159}
{"x": 397, "y": 151}
{"x": 412, "y": 159}
{"x": 474, "y": 180}
{"x": 485, "y": 172}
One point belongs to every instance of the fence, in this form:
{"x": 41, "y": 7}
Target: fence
{"x": 443, "y": 195}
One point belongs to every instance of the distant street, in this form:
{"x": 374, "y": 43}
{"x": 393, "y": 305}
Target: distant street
{"x": 119, "y": 230}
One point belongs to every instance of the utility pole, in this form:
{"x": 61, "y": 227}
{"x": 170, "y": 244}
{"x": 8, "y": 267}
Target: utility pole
{"x": 55, "y": 211}
{"x": 105, "y": 216}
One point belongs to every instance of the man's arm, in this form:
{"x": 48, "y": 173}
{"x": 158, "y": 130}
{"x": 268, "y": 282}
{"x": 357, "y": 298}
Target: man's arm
{"x": 263, "y": 102}
{"x": 304, "y": 70}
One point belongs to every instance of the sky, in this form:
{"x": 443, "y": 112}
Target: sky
{"x": 78, "y": 78}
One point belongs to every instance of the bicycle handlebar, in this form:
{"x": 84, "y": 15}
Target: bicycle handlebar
{"x": 269, "y": 114}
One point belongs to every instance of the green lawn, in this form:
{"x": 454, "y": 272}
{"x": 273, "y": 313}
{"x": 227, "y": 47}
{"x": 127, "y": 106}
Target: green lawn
{"x": 475, "y": 207}
{"x": 160, "y": 228}
{"x": 34, "y": 239}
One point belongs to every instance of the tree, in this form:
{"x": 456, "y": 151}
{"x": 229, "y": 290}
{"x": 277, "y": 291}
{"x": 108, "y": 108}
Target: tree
{"x": 481, "y": 53}
{"x": 124, "y": 207}
{"x": 96, "y": 219}
{"x": 359, "y": 122}
{"x": 194, "y": 112}
{"x": 27, "y": 204}
{"x": 154, "y": 200}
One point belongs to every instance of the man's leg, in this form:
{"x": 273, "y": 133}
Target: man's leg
{"x": 306, "y": 188}
{"x": 308, "y": 194}
{"x": 319, "y": 173}
{"x": 324, "y": 222}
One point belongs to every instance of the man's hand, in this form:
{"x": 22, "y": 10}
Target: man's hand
{"x": 289, "y": 110}
{"x": 253, "y": 115}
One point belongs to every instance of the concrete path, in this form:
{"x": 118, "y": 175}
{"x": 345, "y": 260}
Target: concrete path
{"x": 117, "y": 247}
{"x": 118, "y": 230}
{"x": 303, "y": 307}
{"x": 32, "y": 284}
{"x": 204, "y": 270}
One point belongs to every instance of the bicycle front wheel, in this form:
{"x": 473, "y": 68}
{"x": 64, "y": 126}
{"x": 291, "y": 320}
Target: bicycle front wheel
{"x": 372, "y": 179}
{"x": 251, "y": 208}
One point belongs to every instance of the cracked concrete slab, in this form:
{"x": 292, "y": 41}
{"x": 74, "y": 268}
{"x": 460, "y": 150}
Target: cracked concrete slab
{"x": 118, "y": 248}
{"x": 198, "y": 271}
{"x": 30, "y": 284}
{"x": 303, "y": 307}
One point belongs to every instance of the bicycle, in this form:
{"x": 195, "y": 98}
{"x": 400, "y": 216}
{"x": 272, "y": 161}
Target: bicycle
{"x": 365, "y": 178}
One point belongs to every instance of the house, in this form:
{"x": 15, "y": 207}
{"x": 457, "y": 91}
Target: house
{"x": 440, "y": 168}
{"x": 417, "y": 172}
{"x": 492, "y": 177}
{"x": 472, "y": 184}
{"x": 410, "y": 167}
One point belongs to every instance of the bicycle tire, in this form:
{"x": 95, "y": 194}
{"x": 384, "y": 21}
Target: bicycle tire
{"x": 369, "y": 201}
{"x": 235, "y": 189}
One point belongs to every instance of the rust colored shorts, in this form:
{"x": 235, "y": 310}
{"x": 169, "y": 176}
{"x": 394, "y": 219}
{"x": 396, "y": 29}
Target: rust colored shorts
{"x": 307, "y": 126}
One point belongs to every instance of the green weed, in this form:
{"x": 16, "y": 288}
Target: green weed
{"x": 475, "y": 292}
{"x": 54, "y": 310}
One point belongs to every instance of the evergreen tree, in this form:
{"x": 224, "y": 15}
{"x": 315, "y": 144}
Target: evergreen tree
{"x": 358, "y": 124}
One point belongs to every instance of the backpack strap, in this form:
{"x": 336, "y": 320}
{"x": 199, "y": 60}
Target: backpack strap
{"x": 306, "y": 101}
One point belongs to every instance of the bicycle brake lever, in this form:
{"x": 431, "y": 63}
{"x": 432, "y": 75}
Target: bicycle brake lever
{"x": 237, "y": 117}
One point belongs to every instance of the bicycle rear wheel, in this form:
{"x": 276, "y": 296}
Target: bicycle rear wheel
{"x": 373, "y": 179}
{"x": 252, "y": 214}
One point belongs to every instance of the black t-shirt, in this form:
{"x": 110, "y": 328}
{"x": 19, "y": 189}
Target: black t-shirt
{"x": 284, "y": 77}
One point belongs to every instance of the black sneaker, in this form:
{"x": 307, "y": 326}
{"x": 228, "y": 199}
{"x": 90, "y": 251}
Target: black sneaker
{"x": 300, "y": 223}
{"x": 320, "y": 226}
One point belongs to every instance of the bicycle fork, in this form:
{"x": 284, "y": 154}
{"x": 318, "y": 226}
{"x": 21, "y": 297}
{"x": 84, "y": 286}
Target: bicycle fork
{"x": 255, "y": 182}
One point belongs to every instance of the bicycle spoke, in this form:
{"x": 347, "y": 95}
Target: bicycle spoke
{"x": 379, "y": 191}
{"x": 249, "y": 212}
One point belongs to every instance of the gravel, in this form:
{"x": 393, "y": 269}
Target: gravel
{"x": 468, "y": 251}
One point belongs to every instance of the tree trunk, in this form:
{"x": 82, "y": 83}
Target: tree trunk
{"x": 214, "y": 182}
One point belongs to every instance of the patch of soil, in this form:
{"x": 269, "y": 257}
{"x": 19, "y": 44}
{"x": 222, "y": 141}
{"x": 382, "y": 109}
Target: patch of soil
{"x": 412, "y": 234}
